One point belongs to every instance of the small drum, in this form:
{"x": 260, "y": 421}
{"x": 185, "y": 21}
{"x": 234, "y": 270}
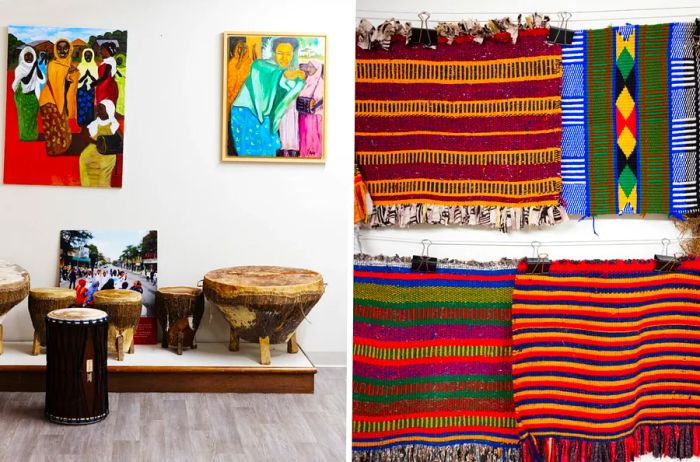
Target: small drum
{"x": 14, "y": 286}
{"x": 124, "y": 310}
{"x": 180, "y": 311}
{"x": 264, "y": 304}
{"x": 76, "y": 366}
{"x": 41, "y": 303}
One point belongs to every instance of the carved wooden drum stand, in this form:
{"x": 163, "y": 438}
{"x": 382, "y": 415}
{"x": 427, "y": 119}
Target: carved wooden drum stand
{"x": 180, "y": 311}
{"x": 76, "y": 366}
{"x": 124, "y": 310}
{"x": 264, "y": 304}
{"x": 42, "y": 302}
{"x": 14, "y": 286}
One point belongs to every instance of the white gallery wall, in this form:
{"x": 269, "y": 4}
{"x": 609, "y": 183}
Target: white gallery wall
{"x": 208, "y": 214}
{"x": 496, "y": 245}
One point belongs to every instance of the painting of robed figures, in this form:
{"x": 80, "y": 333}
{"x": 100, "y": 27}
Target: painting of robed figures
{"x": 64, "y": 117}
{"x": 274, "y": 98}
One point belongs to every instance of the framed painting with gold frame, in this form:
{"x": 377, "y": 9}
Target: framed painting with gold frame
{"x": 274, "y": 98}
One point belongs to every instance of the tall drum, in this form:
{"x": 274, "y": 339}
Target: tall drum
{"x": 14, "y": 287}
{"x": 124, "y": 310}
{"x": 43, "y": 301}
{"x": 264, "y": 304}
{"x": 180, "y": 311}
{"x": 76, "y": 366}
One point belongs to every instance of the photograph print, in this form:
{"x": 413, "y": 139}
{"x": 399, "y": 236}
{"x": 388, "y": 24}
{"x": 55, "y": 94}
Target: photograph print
{"x": 64, "y": 116}
{"x": 274, "y": 98}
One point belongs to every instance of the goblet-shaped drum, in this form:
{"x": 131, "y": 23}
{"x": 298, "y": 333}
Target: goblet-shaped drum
{"x": 180, "y": 311}
{"x": 124, "y": 310}
{"x": 264, "y": 304}
{"x": 14, "y": 286}
{"x": 43, "y": 301}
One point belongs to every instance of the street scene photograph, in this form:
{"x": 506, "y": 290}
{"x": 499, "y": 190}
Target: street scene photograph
{"x": 91, "y": 261}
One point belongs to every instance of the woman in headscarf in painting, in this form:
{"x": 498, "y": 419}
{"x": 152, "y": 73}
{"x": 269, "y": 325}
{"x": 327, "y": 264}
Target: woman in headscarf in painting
{"x": 311, "y": 114}
{"x": 120, "y": 78}
{"x": 268, "y": 92}
{"x": 86, "y": 89}
{"x": 105, "y": 85}
{"x": 60, "y": 75}
{"x": 95, "y": 168}
{"x": 28, "y": 78}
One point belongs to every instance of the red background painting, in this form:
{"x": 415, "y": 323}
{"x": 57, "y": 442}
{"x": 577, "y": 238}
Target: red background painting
{"x": 26, "y": 162}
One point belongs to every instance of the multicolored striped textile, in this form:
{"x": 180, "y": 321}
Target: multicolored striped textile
{"x": 431, "y": 362}
{"x": 630, "y": 102}
{"x": 466, "y": 134}
{"x": 606, "y": 361}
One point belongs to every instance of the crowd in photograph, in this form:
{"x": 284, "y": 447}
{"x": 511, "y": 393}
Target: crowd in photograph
{"x": 87, "y": 281}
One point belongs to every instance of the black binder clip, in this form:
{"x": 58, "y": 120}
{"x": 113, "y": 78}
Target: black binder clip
{"x": 561, "y": 35}
{"x": 427, "y": 38}
{"x": 665, "y": 262}
{"x": 424, "y": 263}
{"x": 539, "y": 263}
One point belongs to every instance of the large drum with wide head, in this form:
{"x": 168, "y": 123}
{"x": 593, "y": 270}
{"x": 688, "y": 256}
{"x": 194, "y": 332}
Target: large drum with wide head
{"x": 180, "y": 311}
{"x": 124, "y": 310}
{"x": 42, "y": 301}
{"x": 14, "y": 287}
{"x": 76, "y": 366}
{"x": 264, "y": 304}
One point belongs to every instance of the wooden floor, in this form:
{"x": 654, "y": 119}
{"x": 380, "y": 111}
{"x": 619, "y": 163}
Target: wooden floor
{"x": 186, "y": 427}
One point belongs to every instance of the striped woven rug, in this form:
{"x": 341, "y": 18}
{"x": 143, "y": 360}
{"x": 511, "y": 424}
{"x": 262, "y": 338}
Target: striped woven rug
{"x": 606, "y": 361}
{"x": 465, "y": 134}
{"x": 431, "y": 363}
{"x": 630, "y": 102}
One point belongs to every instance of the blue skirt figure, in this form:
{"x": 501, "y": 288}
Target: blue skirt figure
{"x": 250, "y": 137}
{"x": 86, "y": 105}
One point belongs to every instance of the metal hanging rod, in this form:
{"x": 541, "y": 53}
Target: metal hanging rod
{"x": 617, "y": 242}
{"x": 625, "y": 18}
{"x": 623, "y": 10}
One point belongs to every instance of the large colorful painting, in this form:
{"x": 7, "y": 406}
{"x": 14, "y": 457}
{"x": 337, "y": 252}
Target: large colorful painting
{"x": 274, "y": 98}
{"x": 64, "y": 118}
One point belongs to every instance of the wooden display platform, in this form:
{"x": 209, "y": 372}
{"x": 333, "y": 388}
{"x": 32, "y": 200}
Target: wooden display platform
{"x": 211, "y": 368}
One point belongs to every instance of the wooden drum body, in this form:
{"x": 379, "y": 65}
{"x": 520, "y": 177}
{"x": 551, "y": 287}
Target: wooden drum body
{"x": 180, "y": 311}
{"x": 264, "y": 304}
{"x": 124, "y": 310}
{"x": 76, "y": 366}
{"x": 14, "y": 287}
{"x": 42, "y": 302}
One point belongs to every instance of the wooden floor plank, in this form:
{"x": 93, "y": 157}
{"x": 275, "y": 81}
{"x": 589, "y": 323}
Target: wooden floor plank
{"x": 186, "y": 427}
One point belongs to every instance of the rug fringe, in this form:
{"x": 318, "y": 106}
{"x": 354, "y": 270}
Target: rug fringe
{"x": 455, "y": 453}
{"x": 405, "y": 262}
{"x": 503, "y": 29}
{"x": 503, "y": 218}
{"x": 674, "y": 441}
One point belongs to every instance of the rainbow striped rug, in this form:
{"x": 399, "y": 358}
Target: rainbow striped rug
{"x": 431, "y": 363}
{"x": 467, "y": 134}
{"x": 606, "y": 361}
{"x": 630, "y": 105}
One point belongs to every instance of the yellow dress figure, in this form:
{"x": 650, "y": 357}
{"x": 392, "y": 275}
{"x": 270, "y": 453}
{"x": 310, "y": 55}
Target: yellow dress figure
{"x": 95, "y": 168}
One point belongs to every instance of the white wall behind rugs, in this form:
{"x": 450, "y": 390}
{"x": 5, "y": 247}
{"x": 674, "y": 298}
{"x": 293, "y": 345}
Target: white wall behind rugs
{"x": 208, "y": 214}
{"x": 608, "y": 228}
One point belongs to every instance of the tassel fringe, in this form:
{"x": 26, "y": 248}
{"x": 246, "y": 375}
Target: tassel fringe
{"x": 502, "y": 30}
{"x": 503, "y": 218}
{"x": 674, "y": 441}
{"x": 455, "y": 453}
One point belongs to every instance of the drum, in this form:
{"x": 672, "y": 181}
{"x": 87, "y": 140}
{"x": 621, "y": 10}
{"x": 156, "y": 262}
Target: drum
{"x": 76, "y": 366}
{"x": 124, "y": 310}
{"x": 180, "y": 311}
{"x": 264, "y": 304}
{"x": 42, "y": 302}
{"x": 14, "y": 286}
